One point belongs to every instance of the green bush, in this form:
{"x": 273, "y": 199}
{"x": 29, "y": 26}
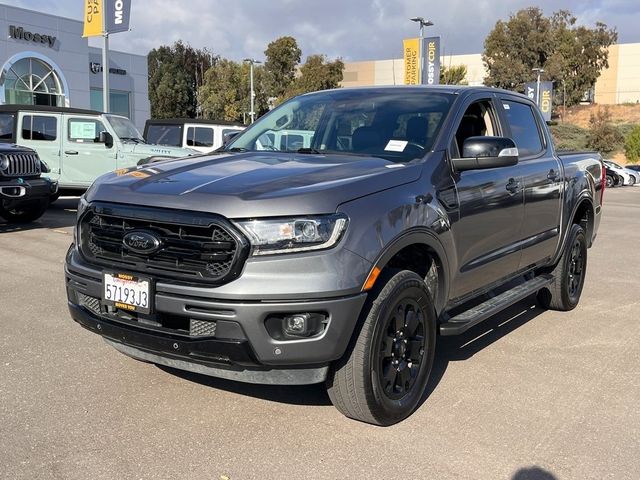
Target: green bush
{"x": 567, "y": 136}
{"x": 632, "y": 145}
{"x": 603, "y": 135}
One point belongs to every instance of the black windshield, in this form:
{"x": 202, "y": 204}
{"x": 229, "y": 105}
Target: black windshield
{"x": 397, "y": 124}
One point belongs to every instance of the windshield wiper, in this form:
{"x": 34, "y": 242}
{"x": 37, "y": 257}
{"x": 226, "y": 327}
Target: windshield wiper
{"x": 133, "y": 139}
{"x": 237, "y": 149}
{"x": 308, "y": 150}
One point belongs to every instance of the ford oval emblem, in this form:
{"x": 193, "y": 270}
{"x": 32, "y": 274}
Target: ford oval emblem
{"x": 140, "y": 241}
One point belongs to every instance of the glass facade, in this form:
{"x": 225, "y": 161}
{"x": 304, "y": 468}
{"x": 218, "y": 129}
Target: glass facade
{"x": 118, "y": 102}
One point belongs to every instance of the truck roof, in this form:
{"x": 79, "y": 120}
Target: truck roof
{"x": 12, "y": 108}
{"x": 182, "y": 121}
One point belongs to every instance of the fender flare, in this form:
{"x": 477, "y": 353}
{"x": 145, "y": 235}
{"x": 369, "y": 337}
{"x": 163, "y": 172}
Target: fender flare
{"x": 421, "y": 236}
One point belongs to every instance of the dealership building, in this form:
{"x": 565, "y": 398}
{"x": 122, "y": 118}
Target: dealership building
{"x": 620, "y": 83}
{"x": 45, "y": 61}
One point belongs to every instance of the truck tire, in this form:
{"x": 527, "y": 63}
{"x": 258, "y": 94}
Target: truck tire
{"x": 25, "y": 214}
{"x": 384, "y": 373}
{"x": 564, "y": 292}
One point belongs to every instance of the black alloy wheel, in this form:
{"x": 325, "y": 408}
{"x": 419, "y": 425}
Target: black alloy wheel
{"x": 401, "y": 348}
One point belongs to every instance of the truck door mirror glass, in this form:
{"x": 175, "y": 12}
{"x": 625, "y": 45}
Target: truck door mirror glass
{"x": 106, "y": 138}
{"x": 486, "y": 152}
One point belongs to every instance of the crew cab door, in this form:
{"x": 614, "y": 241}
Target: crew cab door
{"x": 542, "y": 174}
{"x": 491, "y": 207}
{"x": 42, "y": 132}
{"x": 85, "y": 157}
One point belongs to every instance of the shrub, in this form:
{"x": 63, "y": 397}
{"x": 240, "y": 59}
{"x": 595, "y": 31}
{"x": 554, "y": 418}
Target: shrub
{"x": 567, "y": 136}
{"x": 603, "y": 135}
{"x": 632, "y": 145}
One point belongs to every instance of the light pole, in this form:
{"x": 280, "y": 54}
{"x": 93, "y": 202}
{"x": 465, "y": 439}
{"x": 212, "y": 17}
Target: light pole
{"x": 251, "y": 61}
{"x": 539, "y": 71}
{"x": 423, "y": 23}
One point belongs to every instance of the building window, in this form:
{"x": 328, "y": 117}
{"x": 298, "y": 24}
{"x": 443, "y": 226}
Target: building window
{"x": 33, "y": 81}
{"x": 118, "y": 102}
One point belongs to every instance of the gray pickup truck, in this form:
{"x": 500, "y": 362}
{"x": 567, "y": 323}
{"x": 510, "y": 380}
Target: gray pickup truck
{"x": 414, "y": 212}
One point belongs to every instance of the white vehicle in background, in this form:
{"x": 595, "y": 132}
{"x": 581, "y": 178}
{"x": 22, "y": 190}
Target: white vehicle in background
{"x": 197, "y": 134}
{"x": 629, "y": 177}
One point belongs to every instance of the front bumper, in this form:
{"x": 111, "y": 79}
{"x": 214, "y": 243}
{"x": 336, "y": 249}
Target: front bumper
{"x": 16, "y": 193}
{"x": 241, "y": 347}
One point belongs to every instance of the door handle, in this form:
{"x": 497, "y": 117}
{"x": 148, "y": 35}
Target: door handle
{"x": 70, "y": 152}
{"x": 552, "y": 175}
{"x": 513, "y": 186}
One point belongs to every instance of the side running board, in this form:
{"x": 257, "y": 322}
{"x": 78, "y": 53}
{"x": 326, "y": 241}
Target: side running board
{"x": 479, "y": 313}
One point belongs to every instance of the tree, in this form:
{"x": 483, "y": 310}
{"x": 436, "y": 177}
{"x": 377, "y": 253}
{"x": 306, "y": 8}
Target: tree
{"x": 632, "y": 145}
{"x": 603, "y": 135}
{"x": 282, "y": 57}
{"x": 175, "y": 74}
{"x": 225, "y": 94}
{"x": 453, "y": 75}
{"x": 317, "y": 73}
{"x": 568, "y": 53}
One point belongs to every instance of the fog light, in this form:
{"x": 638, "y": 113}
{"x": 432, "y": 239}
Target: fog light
{"x": 297, "y": 325}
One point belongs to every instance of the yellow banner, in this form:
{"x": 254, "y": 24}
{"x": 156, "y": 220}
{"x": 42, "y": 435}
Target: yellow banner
{"x": 412, "y": 61}
{"x": 92, "y": 18}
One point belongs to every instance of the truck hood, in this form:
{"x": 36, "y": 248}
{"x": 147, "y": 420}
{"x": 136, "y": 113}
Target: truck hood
{"x": 159, "y": 150}
{"x": 243, "y": 185}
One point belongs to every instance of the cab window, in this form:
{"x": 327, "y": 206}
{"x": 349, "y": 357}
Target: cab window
{"x": 479, "y": 120}
{"x": 524, "y": 128}
{"x": 84, "y": 130}
{"x": 38, "y": 127}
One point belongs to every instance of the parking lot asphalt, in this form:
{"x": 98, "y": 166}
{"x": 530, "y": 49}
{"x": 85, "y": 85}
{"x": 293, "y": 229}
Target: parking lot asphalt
{"x": 529, "y": 394}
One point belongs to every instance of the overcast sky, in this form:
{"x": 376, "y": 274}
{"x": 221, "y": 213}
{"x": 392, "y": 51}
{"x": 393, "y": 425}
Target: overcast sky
{"x": 352, "y": 29}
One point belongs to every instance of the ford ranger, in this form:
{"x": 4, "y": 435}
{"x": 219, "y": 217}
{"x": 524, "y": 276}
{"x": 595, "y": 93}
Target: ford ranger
{"x": 414, "y": 212}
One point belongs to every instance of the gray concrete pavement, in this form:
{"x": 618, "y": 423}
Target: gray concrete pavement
{"x": 530, "y": 394}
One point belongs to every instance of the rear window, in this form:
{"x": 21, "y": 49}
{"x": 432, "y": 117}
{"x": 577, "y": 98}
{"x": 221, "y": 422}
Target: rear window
{"x": 170, "y": 135}
{"x": 7, "y": 122}
{"x": 199, "y": 137}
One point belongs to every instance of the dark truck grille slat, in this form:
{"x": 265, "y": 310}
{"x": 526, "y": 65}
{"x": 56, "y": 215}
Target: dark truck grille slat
{"x": 22, "y": 165}
{"x": 208, "y": 250}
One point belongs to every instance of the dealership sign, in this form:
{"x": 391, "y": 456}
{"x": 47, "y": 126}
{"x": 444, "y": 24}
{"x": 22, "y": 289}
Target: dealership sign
{"x": 118, "y": 13}
{"x": 425, "y": 72}
{"x": 544, "y": 100}
{"x": 19, "y": 33}
{"x": 431, "y": 49}
{"x": 96, "y": 67}
{"x": 110, "y": 16}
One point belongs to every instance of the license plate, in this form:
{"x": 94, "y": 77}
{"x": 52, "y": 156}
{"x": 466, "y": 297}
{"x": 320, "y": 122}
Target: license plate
{"x": 127, "y": 292}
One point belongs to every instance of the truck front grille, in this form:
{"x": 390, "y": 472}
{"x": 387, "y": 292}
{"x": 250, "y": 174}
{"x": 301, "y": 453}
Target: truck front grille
{"x": 195, "y": 248}
{"x": 22, "y": 165}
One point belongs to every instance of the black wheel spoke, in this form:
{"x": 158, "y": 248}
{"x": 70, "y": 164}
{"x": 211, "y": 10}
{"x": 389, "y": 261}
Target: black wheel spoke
{"x": 413, "y": 349}
{"x": 388, "y": 347}
{"x": 398, "y": 322}
{"x": 390, "y": 374}
{"x": 412, "y": 321}
{"x": 404, "y": 379}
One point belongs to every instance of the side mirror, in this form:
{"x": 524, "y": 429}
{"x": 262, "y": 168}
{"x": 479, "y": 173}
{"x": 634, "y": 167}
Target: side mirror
{"x": 227, "y": 137}
{"x": 107, "y": 139}
{"x": 486, "y": 152}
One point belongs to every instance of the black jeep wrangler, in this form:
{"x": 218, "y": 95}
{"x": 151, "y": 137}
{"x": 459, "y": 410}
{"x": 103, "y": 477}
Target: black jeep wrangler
{"x": 24, "y": 194}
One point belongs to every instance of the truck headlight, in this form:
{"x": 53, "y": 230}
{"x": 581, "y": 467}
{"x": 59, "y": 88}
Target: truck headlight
{"x": 4, "y": 162}
{"x": 292, "y": 235}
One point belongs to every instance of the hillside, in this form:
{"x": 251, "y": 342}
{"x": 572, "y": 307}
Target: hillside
{"x": 572, "y": 132}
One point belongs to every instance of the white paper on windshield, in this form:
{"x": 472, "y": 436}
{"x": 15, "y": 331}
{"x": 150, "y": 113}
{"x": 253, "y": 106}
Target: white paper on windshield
{"x": 396, "y": 146}
{"x": 83, "y": 130}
